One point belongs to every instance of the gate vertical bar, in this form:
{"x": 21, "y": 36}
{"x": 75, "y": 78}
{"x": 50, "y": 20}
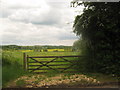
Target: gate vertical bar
{"x": 24, "y": 61}
{"x": 27, "y": 63}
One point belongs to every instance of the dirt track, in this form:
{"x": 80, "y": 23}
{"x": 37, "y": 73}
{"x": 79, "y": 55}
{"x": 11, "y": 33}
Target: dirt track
{"x": 103, "y": 85}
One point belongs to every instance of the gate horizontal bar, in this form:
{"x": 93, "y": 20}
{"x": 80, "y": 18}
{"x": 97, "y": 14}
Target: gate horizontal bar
{"x": 51, "y": 65}
{"x": 54, "y": 56}
{"x": 54, "y": 61}
{"x": 40, "y": 72}
{"x": 46, "y": 68}
{"x": 62, "y": 72}
{"x": 39, "y": 69}
{"x": 71, "y": 71}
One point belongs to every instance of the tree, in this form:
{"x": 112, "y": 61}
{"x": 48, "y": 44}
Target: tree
{"x": 78, "y": 45}
{"x": 99, "y": 27}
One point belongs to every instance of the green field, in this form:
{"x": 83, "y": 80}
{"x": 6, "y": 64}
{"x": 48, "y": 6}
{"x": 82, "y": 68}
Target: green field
{"x": 19, "y": 55}
{"x": 19, "y": 58}
{"x": 12, "y": 68}
{"x": 13, "y": 63}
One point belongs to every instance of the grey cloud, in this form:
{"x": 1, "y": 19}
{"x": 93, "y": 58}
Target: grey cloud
{"x": 68, "y": 37}
{"x": 49, "y": 18}
{"x": 30, "y": 26}
{"x": 41, "y": 35}
{"x": 5, "y": 12}
{"x": 29, "y": 14}
{"x": 57, "y": 5}
{"x": 10, "y": 39}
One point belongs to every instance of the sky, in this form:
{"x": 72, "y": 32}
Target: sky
{"x": 37, "y": 22}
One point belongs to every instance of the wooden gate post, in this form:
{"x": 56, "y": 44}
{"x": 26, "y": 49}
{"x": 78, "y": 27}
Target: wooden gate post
{"x": 27, "y": 62}
{"x": 24, "y": 61}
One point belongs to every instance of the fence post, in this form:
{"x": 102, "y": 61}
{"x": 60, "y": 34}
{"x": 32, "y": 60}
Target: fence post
{"x": 24, "y": 61}
{"x": 27, "y": 63}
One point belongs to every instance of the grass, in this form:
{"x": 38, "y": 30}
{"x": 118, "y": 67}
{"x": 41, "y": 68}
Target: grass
{"x": 12, "y": 63}
{"x": 19, "y": 57}
{"x": 10, "y": 73}
{"x": 20, "y": 83}
{"x": 49, "y": 59}
{"x": 102, "y": 77}
{"x": 11, "y": 68}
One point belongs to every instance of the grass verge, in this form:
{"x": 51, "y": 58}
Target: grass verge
{"x": 11, "y": 69}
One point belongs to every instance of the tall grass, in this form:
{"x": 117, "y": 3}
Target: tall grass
{"x": 11, "y": 68}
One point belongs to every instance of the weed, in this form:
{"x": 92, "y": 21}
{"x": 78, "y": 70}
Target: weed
{"x": 52, "y": 73}
{"x": 20, "y": 83}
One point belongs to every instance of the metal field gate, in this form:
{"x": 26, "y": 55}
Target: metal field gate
{"x": 43, "y": 64}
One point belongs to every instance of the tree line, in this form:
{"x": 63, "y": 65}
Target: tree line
{"x": 99, "y": 30}
{"x": 35, "y": 47}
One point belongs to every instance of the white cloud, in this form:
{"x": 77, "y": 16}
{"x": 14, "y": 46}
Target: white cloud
{"x": 32, "y": 22}
{"x": 30, "y": 34}
{"x": 16, "y": 4}
{"x": 13, "y": 6}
